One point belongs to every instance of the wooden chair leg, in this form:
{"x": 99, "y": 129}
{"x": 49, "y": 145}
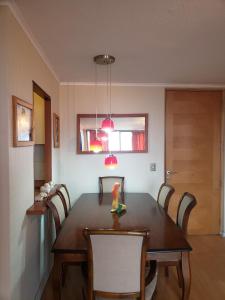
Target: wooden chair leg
{"x": 154, "y": 295}
{"x": 84, "y": 270}
{"x": 179, "y": 275}
{"x": 167, "y": 271}
{"x": 84, "y": 297}
{"x": 64, "y": 271}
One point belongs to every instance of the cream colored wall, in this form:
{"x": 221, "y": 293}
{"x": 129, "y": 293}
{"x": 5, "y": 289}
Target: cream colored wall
{"x": 81, "y": 172}
{"x": 4, "y": 169}
{"x": 25, "y": 236}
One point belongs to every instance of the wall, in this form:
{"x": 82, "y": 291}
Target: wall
{"x": 25, "y": 236}
{"x": 4, "y": 169}
{"x": 81, "y": 172}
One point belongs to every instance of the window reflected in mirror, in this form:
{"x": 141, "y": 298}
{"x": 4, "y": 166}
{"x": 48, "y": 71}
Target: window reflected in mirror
{"x": 130, "y": 133}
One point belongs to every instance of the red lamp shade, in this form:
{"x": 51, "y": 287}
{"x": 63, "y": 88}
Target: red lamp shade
{"x": 107, "y": 125}
{"x": 111, "y": 162}
{"x": 96, "y": 146}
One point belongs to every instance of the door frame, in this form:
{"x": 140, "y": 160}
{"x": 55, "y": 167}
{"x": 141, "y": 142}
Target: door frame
{"x": 48, "y": 130}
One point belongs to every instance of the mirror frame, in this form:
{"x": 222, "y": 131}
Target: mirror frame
{"x": 80, "y": 116}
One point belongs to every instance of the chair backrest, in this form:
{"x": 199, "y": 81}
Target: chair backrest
{"x": 62, "y": 190}
{"x": 57, "y": 207}
{"x": 164, "y": 195}
{"x": 187, "y": 203}
{"x": 106, "y": 184}
{"x": 116, "y": 263}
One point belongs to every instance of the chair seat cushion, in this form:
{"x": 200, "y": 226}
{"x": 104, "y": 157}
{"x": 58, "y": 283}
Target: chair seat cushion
{"x": 149, "y": 290}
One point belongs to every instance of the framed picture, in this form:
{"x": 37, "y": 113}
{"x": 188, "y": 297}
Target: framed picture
{"x": 56, "y": 130}
{"x": 22, "y": 123}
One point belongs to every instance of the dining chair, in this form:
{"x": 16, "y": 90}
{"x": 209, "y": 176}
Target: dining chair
{"x": 62, "y": 190}
{"x": 164, "y": 195}
{"x": 57, "y": 205}
{"x": 106, "y": 183}
{"x": 116, "y": 265}
{"x": 186, "y": 204}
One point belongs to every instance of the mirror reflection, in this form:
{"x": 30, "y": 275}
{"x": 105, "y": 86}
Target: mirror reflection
{"x": 129, "y": 133}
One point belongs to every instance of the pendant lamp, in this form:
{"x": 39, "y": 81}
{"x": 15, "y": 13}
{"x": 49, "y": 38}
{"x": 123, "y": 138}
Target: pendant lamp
{"x": 96, "y": 143}
{"x": 107, "y": 124}
{"x": 111, "y": 162}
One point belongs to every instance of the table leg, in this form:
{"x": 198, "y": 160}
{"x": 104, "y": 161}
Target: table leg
{"x": 57, "y": 277}
{"x": 186, "y": 271}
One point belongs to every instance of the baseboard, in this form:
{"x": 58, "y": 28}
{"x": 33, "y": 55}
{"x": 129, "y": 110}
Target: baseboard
{"x": 222, "y": 233}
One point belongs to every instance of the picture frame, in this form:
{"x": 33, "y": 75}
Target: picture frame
{"x": 23, "y": 133}
{"x": 56, "y": 130}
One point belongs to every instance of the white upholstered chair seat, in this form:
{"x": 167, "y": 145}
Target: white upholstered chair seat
{"x": 66, "y": 197}
{"x": 106, "y": 183}
{"x": 186, "y": 201}
{"x": 117, "y": 264}
{"x": 149, "y": 290}
{"x": 164, "y": 195}
{"x": 57, "y": 201}
{"x": 57, "y": 207}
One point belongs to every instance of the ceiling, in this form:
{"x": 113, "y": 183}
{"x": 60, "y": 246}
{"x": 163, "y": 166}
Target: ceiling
{"x": 154, "y": 41}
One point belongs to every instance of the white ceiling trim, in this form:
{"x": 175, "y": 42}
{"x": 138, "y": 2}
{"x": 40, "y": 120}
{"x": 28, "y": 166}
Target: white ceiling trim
{"x": 164, "y": 85}
{"x": 17, "y": 14}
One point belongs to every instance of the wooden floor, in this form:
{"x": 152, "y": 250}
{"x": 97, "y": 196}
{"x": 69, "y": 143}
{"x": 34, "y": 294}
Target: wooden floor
{"x": 208, "y": 274}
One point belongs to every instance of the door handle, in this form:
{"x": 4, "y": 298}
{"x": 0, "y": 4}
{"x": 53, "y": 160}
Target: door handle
{"x": 170, "y": 172}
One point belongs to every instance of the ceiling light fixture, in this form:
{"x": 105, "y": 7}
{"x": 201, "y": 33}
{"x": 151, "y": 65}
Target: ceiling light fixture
{"x": 111, "y": 161}
{"x": 107, "y": 124}
{"x": 107, "y": 60}
{"x": 96, "y": 143}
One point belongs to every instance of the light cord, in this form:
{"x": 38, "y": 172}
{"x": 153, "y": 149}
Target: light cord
{"x": 96, "y": 105}
{"x": 110, "y": 108}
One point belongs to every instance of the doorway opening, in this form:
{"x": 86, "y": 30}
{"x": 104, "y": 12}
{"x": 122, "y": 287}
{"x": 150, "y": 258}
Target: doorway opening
{"x": 42, "y": 137}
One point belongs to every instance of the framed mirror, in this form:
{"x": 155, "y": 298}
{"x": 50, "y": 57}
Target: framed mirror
{"x": 130, "y": 134}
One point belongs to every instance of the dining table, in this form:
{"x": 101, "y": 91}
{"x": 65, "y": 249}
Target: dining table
{"x": 166, "y": 243}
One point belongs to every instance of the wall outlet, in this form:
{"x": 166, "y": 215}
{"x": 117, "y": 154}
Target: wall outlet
{"x": 152, "y": 167}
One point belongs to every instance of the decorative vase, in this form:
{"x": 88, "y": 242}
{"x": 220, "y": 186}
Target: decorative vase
{"x": 45, "y": 188}
{"x": 115, "y": 194}
{"x": 51, "y": 183}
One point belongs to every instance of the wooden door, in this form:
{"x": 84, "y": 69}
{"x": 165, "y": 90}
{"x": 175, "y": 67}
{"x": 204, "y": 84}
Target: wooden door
{"x": 193, "y": 154}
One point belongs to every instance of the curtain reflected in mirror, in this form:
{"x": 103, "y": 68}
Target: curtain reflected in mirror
{"x": 129, "y": 135}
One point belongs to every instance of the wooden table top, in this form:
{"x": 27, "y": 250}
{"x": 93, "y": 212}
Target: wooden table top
{"x": 142, "y": 212}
